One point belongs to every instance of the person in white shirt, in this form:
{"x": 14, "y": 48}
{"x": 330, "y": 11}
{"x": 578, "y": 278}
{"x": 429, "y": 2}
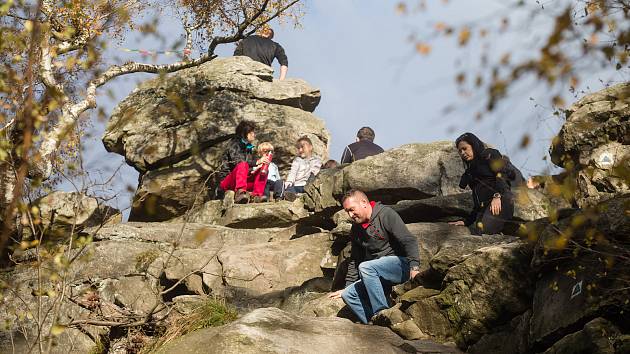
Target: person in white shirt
{"x": 304, "y": 167}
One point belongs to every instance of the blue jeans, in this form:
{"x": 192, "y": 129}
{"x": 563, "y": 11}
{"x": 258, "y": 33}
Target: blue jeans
{"x": 366, "y": 297}
{"x": 295, "y": 189}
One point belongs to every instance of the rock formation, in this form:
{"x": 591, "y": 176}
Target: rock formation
{"x": 171, "y": 128}
{"x": 594, "y": 144}
{"x": 558, "y": 285}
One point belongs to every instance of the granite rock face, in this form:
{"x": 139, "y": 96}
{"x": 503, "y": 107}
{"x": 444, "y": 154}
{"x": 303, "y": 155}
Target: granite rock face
{"x": 172, "y": 129}
{"x": 270, "y": 330}
{"x": 594, "y": 144}
{"x": 409, "y": 172}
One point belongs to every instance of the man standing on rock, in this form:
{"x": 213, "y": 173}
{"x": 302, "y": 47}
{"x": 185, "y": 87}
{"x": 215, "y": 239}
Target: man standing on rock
{"x": 383, "y": 253}
{"x": 262, "y": 49}
{"x": 362, "y": 148}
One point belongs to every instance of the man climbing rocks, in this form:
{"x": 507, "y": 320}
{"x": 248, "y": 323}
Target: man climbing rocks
{"x": 362, "y": 148}
{"x": 262, "y": 49}
{"x": 383, "y": 253}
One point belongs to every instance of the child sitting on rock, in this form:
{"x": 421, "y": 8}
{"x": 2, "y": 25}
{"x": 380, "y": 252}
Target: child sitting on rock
{"x": 304, "y": 167}
{"x": 237, "y": 163}
{"x": 274, "y": 181}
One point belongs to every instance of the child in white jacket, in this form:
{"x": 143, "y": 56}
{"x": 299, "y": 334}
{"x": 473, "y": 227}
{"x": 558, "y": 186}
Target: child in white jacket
{"x": 304, "y": 167}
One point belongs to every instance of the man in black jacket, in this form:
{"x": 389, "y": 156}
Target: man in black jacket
{"x": 262, "y": 49}
{"x": 362, "y": 148}
{"x": 383, "y": 253}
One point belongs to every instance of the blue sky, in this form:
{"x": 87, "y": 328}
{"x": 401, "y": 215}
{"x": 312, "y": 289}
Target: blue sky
{"x": 359, "y": 54}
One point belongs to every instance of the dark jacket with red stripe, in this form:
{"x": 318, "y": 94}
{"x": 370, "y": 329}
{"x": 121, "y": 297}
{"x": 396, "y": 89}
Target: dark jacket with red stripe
{"x": 385, "y": 235}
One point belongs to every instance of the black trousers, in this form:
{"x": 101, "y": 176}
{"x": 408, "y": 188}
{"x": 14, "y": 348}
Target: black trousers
{"x": 486, "y": 223}
{"x": 275, "y": 186}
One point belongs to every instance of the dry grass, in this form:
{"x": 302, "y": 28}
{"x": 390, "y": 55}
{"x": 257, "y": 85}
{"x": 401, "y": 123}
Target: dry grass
{"x": 211, "y": 313}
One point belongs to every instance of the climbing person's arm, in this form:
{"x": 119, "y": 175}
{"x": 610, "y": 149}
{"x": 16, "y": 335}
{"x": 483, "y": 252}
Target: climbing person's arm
{"x": 292, "y": 173}
{"x": 283, "y": 60}
{"x": 396, "y": 227}
{"x": 497, "y": 165}
{"x": 283, "y": 72}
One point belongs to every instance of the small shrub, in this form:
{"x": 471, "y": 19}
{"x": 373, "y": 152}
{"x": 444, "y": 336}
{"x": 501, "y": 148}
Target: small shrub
{"x": 213, "y": 312}
{"x": 144, "y": 260}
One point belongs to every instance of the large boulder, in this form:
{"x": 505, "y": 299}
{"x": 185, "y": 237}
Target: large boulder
{"x": 172, "y": 129}
{"x": 125, "y": 270}
{"x": 413, "y": 171}
{"x": 594, "y": 144}
{"x": 270, "y": 330}
{"x": 484, "y": 290}
{"x": 60, "y": 212}
{"x": 597, "y": 336}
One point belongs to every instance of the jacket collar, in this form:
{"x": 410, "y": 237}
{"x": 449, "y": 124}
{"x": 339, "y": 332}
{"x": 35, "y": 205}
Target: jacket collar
{"x": 376, "y": 209}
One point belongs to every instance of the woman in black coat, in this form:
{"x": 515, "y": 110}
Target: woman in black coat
{"x": 486, "y": 174}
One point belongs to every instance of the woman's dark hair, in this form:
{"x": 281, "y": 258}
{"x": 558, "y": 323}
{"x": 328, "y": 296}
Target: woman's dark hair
{"x": 477, "y": 145}
{"x": 245, "y": 127}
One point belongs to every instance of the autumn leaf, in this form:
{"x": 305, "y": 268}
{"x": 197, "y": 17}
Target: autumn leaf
{"x": 525, "y": 141}
{"x": 558, "y": 101}
{"x": 401, "y": 8}
{"x": 464, "y": 36}
{"x": 423, "y": 48}
{"x": 202, "y": 235}
{"x": 57, "y": 329}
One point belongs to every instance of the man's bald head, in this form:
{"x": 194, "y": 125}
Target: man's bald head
{"x": 357, "y": 205}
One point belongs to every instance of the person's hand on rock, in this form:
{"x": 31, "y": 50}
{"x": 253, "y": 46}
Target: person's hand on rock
{"x": 457, "y": 223}
{"x": 495, "y": 206}
{"x": 335, "y": 295}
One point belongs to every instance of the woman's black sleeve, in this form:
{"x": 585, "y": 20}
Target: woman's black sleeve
{"x": 497, "y": 165}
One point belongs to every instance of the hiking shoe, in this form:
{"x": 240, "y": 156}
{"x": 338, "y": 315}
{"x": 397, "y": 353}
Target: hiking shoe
{"x": 290, "y": 196}
{"x": 242, "y": 197}
{"x": 259, "y": 199}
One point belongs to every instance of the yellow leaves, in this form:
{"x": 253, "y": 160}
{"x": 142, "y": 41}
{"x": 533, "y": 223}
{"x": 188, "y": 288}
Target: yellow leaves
{"x": 57, "y": 329}
{"x": 401, "y": 8}
{"x": 440, "y": 26}
{"x": 558, "y": 101}
{"x": 4, "y": 8}
{"x": 70, "y": 63}
{"x": 463, "y": 36}
{"x": 592, "y": 7}
{"x": 202, "y": 235}
{"x": 460, "y": 78}
{"x": 525, "y": 140}
{"x": 423, "y": 48}
{"x": 28, "y": 26}
{"x": 52, "y": 105}
{"x": 560, "y": 242}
